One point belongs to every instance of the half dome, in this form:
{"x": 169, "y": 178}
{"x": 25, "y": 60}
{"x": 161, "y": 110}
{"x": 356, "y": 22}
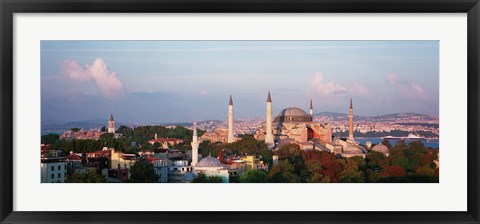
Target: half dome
{"x": 381, "y": 148}
{"x": 354, "y": 149}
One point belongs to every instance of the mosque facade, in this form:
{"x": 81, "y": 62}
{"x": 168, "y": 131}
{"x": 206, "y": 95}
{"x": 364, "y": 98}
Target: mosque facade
{"x": 293, "y": 125}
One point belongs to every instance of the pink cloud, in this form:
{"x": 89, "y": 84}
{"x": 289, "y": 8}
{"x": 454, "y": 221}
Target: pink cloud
{"x": 360, "y": 90}
{"x": 107, "y": 81}
{"x": 326, "y": 88}
{"x": 408, "y": 88}
{"x": 74, "y": 71}
{"x": 419, "y": 91}
{"x": 203, "y": 92}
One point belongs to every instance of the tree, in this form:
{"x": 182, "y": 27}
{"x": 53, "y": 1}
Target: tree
{"x": 318, "y": 178}
{"x": 75, "y": 129}
{"x": 401, "y": 161}
{"x": 361, "y": 163}
{"x": 202, "y": 178}
{"x": 417, "y": 145}
{"x": 288, "y": 151}
{"x": 142, "y": 172}
{"x": 372, "y": 176}
{"x": 283, "y": 173}
{"x": 266, "y": 156}
{"x": 124, "y": 130}
{"x": 400, "y": 145}
{"x": 394, "y": 170}
{"x": 350, "y": 172}
{"x": 90, "y": 176}
{"x": 425, "y": 170}
{"x": 50, "y": 138}
{"x": 254, "y": 176}
{"x": 106, "y": 137}
{"x": 247, "y": 145}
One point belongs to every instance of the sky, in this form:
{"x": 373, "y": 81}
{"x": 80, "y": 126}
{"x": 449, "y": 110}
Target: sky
{"x": 185, "y": 81}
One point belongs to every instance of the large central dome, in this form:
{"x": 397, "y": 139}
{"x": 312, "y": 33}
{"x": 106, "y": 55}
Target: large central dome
{"x": 292, "y": 114}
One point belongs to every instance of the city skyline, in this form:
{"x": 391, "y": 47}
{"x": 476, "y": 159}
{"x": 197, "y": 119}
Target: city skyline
{"x": 183, "y": 81}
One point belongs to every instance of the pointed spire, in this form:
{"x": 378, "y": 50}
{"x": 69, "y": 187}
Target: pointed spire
{"x": 269, "y": 99}
{"x": 231, "y": 101}
{"x": 194, "y": 128}
{"x": 311, "y": 105}
{"x": 111, "y": 117}
{"x": 351, "y": 107}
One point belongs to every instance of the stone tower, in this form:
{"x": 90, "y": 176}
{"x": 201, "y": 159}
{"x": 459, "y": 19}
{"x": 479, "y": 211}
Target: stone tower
{"x": 231, "y": 138}
{"x": 269, "y": 134}
{"x": 111, "y": 125}
{"x": 311, "y": 107}
{"x": 195, "y": 144}
{"x": 350, "y": 121}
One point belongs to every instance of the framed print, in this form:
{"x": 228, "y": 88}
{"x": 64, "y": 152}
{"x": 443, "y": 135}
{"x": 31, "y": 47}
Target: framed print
{"x": 259, "y": 111}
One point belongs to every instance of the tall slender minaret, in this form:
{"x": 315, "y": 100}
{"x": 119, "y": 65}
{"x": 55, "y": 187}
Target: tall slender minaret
{"x": 350, "y": 121}
{"x": 111, "y": 125}
{"x": 311, "y": 107}
{"x": 231, "y": 138}
{"x": 268, "y": 121}
{"x": 195, "y": 144}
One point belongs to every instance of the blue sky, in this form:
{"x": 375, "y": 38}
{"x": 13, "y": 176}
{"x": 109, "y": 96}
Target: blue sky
{"x": 170, "y": 81}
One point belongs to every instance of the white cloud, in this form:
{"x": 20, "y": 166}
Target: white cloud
{"x": 107, "y": 81}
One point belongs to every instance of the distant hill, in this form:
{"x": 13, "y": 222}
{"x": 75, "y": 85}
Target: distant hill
{"x": 332, "y": 116}
{"x": 58, "y": 127}
{"x": 53, "y": 126}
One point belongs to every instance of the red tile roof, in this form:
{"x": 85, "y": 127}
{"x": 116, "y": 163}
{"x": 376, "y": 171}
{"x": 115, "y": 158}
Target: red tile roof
{"x": 73, "y": 157}
{"x": 45, "y": 147}
{"x": 160, "y": 140}
{"x": 101, "y": 152}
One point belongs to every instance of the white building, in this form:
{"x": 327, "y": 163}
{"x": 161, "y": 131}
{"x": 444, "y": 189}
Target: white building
{"x": 212, "y": 167}
{"x": 178, "y": 170}
{"x": 53, "y": 170}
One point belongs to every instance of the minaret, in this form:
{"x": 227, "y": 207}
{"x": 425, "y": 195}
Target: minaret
{"x": 311, "y": 107}
{"x": 350, "y": 121}
{"x": 195, "y": 144}
{"x": 268, "y": 121}
{"x": 231, "y": 138}
{"x": 111, "y": 125}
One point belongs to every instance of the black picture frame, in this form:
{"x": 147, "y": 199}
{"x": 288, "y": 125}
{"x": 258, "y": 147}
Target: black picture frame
{"x": 9, "y": 7}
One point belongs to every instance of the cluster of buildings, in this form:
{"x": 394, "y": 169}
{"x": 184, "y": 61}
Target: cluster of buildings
{"x": 81, "y": 134}
{"x": 93, "y": 134}
{"x": 292, "y": 125}
{"x": 170, "y": 165}
{"x": 165, "y": 143}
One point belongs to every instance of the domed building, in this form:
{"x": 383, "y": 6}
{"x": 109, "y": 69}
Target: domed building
{"x": 295, "y": 124}
{"x": 293, "y": 114}
{"x": 210, "y": 162}
{"x": 381, "y": 148}
{"x": 211, "y": 166}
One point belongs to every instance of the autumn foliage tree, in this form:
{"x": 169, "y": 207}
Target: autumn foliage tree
{"x": 394, "y": 170}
